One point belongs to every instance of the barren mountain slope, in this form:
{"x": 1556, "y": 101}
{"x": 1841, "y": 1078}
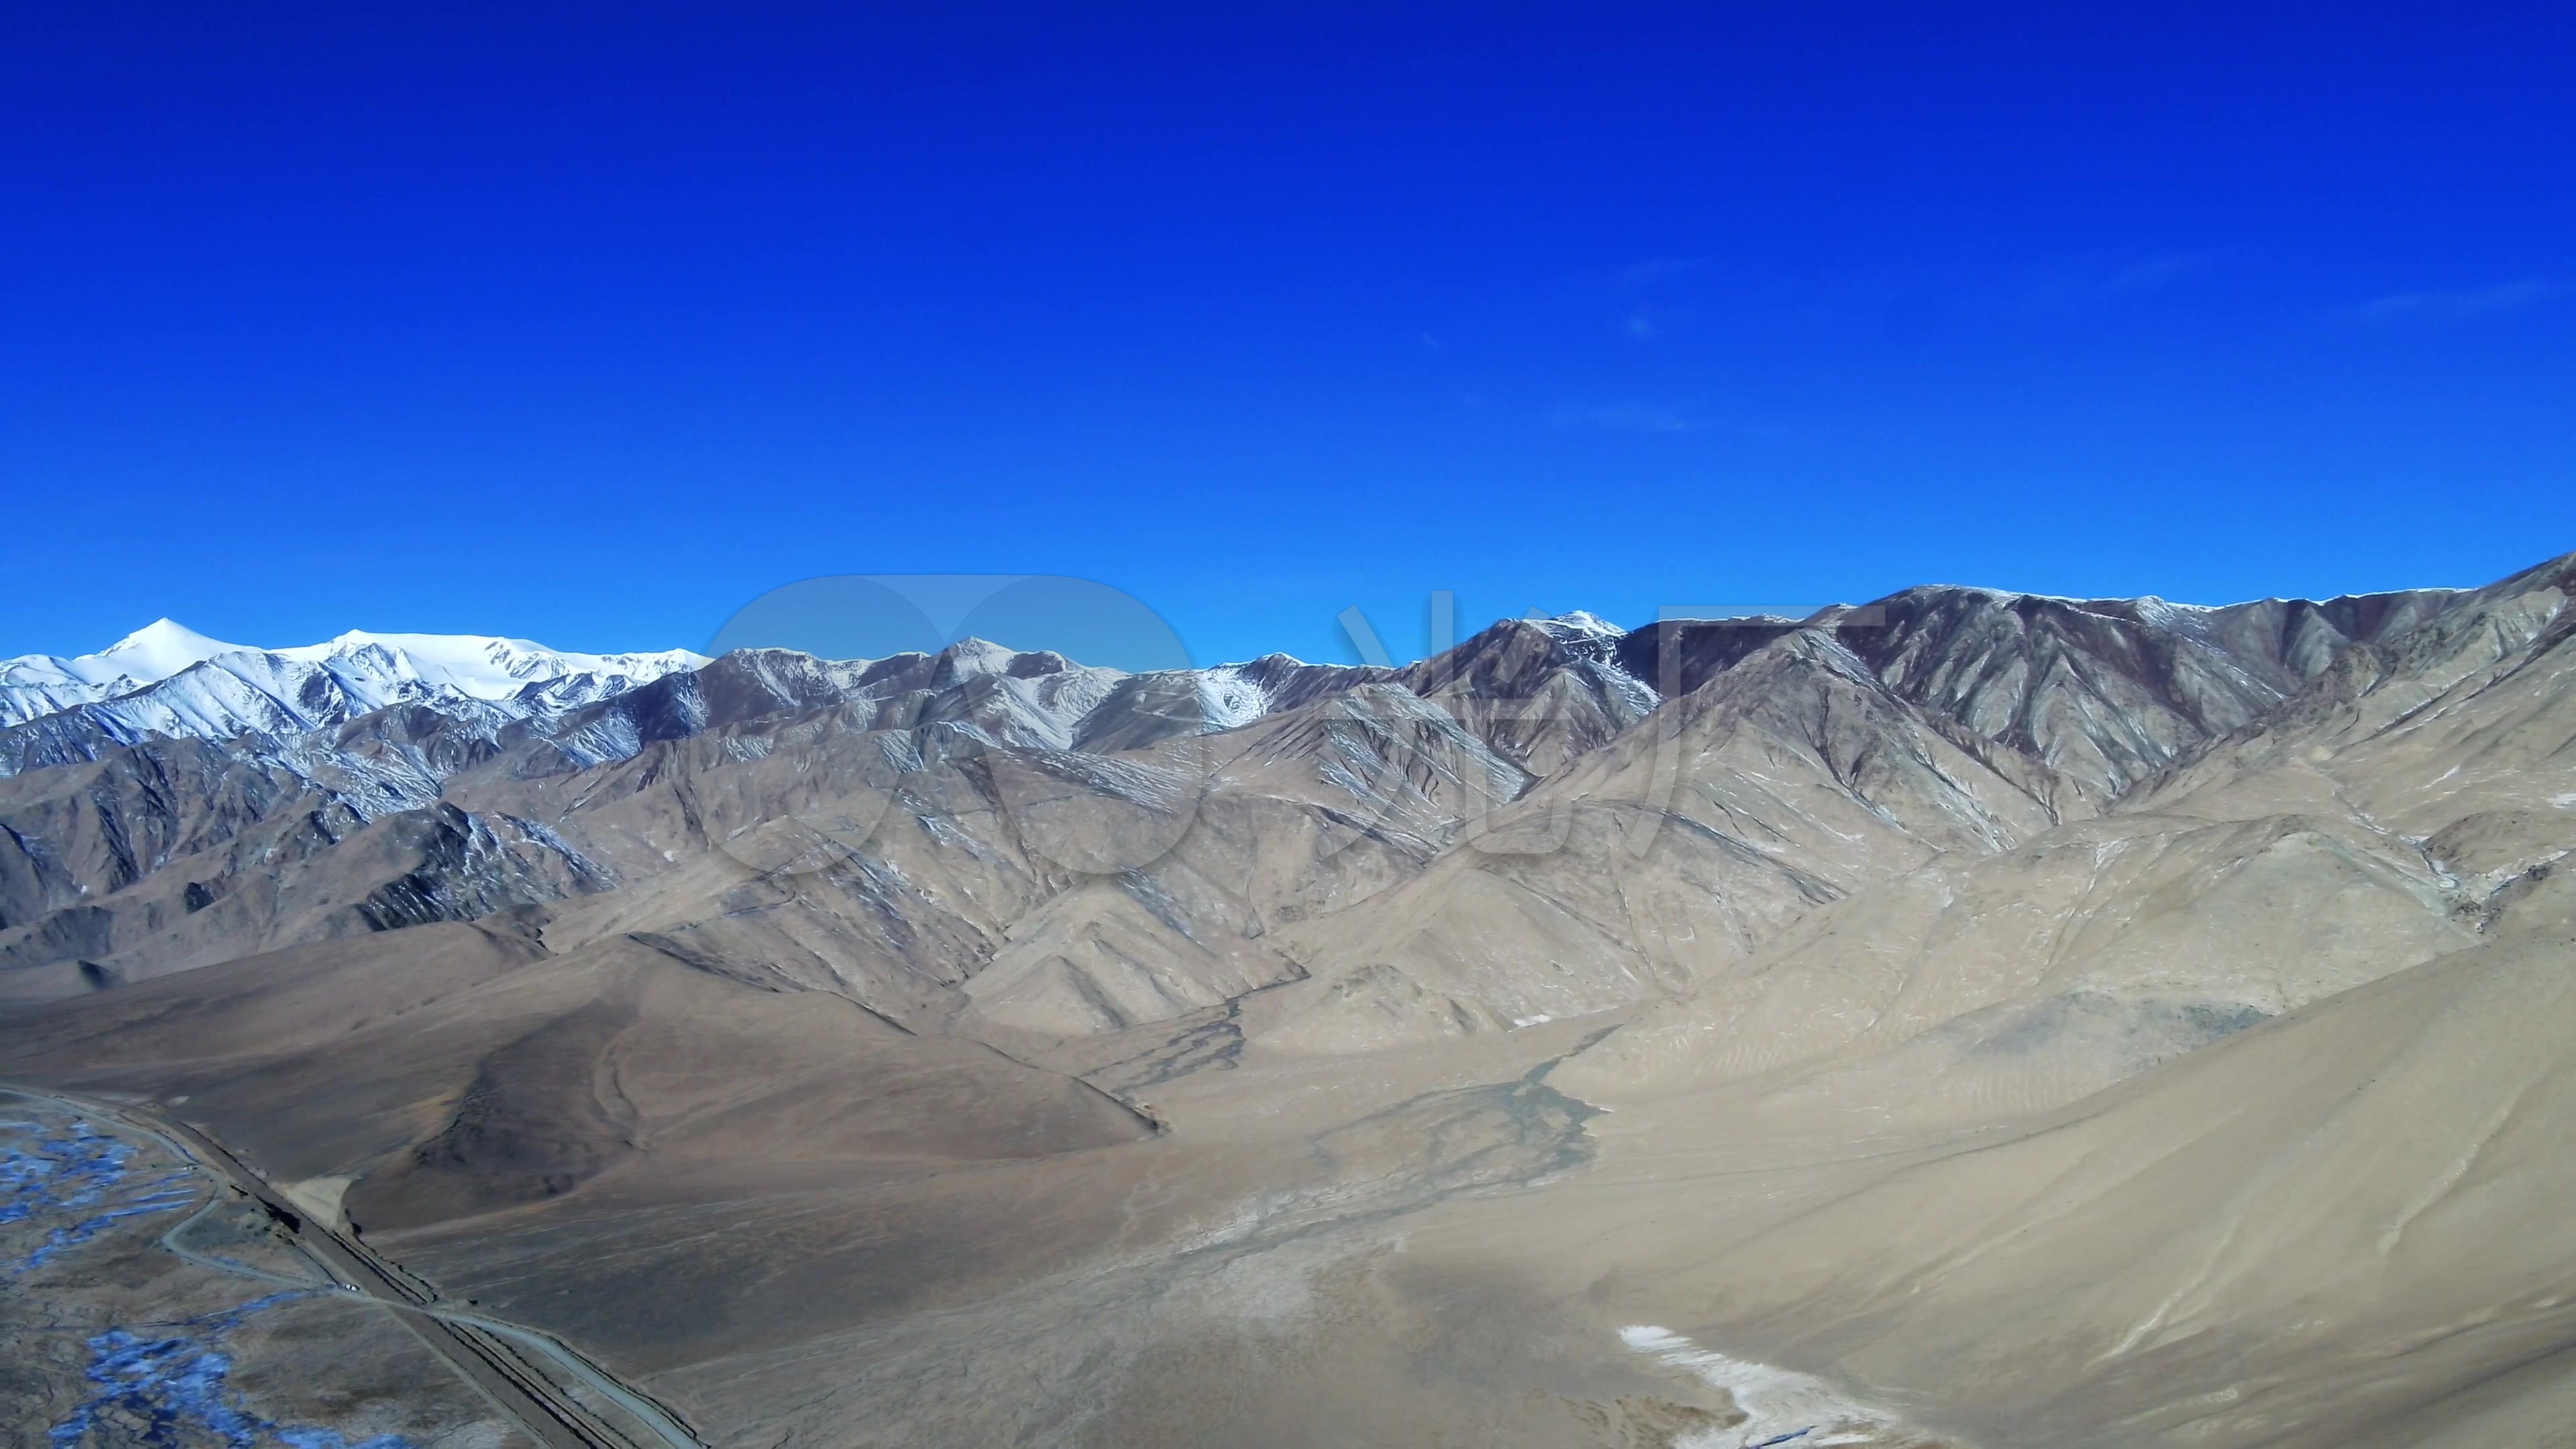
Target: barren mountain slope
{"x": 1978, "y": 988}
{"x": 2397, "y": 806}
{"x": 2454, "y": 738}
{"x": 110, "y": 842}
{"x": 1784, "y": 782}
{"x": 2296, "y": 1236}
{"x": 112, "y": 860}
{"x": 467, "y": 1070}
{"x": 2106, "y": 691}
{"x": 947, "y": 856}
{"x": 109, "y": 861}
{"x": 2290, "y": 1236}
{"x": 177, "y": 853}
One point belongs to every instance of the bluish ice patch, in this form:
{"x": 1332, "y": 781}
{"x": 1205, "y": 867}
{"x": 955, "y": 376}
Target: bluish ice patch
{"x": 70, "y": 1170}
{"x": 168, "y": 1386}
{"x": 174, "y": 1385}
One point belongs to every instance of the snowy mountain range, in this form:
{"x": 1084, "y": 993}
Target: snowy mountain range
{"x": 166, "y": 680}
{"x": 380, "y": 668}
{"x": 405, "y": 778}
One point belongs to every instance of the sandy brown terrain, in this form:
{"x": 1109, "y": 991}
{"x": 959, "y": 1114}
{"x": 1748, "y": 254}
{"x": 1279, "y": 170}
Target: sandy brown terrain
{"x": 1985, "y": 1021}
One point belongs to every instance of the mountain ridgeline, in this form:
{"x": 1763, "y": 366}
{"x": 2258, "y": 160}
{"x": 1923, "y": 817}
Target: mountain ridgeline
{"x": 1989, "y": 1019}
{"x": 388, "y": 795}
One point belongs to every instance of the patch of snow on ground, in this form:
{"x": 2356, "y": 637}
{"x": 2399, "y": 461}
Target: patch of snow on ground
{"x": 1227, "y": 700}
{"x": 1783, "y": 1407}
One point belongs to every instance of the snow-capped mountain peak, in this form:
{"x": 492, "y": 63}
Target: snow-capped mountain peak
{"x": 149, "y": 654}
{"x": 479, "y": 666}
{"x": 1581, "y": 624}
{"x": 36, "y": 684}
{"x": 167, "y": 679}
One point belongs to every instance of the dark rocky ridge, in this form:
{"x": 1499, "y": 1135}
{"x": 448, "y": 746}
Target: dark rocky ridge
{"x": 2108, "y": 690}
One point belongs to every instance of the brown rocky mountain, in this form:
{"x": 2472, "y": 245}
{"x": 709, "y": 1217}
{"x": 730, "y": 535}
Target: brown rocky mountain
{"x": 1965, "y": 1018}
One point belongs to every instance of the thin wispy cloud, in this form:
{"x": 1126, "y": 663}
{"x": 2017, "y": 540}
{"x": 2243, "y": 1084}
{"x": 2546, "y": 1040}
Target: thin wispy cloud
{"x": 1648, "y": 321}
{"x": 2463, "y": 304}
{"x": 1646, "y": 307}
{"x": 2099, "y": 279}
{"x": 2154, "y": 272}
{"x": 1659, "y": 269}
{"x": 1629, "y": 415}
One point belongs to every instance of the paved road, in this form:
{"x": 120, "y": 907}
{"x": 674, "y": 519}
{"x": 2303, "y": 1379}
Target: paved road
{"x": 477, "y": 1346}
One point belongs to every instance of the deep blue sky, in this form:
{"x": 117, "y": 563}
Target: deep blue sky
{"x": 588, "y": 324}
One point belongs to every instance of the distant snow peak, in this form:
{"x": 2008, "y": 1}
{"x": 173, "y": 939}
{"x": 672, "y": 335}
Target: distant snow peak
{"x": 168, "y": 679}
{"x": 147, "y": 656}
{"x": 479, "y": 666}
{"x": 154, "y": 652}
{"x": 40, "y": 684}
{"x": 970, "y": 658}
{"x": 1581, "y": 624}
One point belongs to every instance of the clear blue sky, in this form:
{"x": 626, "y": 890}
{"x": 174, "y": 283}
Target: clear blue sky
{"x": 590, "y": 323}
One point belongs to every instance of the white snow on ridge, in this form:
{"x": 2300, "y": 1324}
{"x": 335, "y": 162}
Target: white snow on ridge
{"x": 34, "y": 684}
{"x": 487, "y": 668}
{"x": 154, "y": 652}
{"x": 1581, "y": 624}
{"x": 169, "y": 682}
{"x": 481, "y": 667}
{"x": 166, "y": 678}
{"x": 1227, "y": 699}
